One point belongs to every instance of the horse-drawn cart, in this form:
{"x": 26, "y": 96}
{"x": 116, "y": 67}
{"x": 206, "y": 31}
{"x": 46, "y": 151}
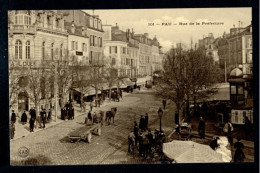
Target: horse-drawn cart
{"x": 85, "y": 133}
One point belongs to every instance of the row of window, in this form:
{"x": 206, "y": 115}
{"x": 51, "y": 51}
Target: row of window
{"x": 74, "y": 46}
{"x": 58, "y": 52}
{"x": 95, "y": 23}
{"x": 128, "y": 61}
{"x": 22, "y": 19}
{"x": 19, "y": 52}
{"x": 95, "y": 41}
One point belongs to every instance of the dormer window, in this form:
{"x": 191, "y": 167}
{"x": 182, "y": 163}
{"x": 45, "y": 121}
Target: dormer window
{"x": 22, "y": 19}
{"x": 95, "y": 23}
{"x": 91, "y": 22}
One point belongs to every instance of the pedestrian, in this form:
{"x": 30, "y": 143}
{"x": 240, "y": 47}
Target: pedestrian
{"x": 62, "y": 114}
{"x": 84, "y": 106}
{"x": 43, "y": 115}
{"x": 136, "y": 132}
{"x": 142, "y": 123}
{"x": 201, "y": 128}
{"x": 239, "y": 154}
{"x": 140, "y": 140}
{"x": 24, "y": 118}
{"x": 49, "y": 116}
{"x": 69, "y": 114}
{"x": 248, "y": 127}
{"x": 12, "y": 130}
{"x": 176, "y": 118}
{"x": 146, "y": 121}
{"x": 31, "y": 123}
{"x": 145, "y": 146}
{"x": 91, "y": 105}
{"x": 89, "y": 117}
{"x": 121, "y": 94}
{"x": 72, "y": 112}
{"x": 95, "y": 119}
{"x": 214, "y": 144}
{"x": 131, "y": 140}
{"x": 13, "y": 117}
{"x": 228, "y": 129}
{"x": 150, "y": 138}
{"x": 164, "y": 103}
{"x": 98, "y": 101}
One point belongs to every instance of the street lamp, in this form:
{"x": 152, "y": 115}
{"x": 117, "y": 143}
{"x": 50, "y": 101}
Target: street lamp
{"x": 160, "y": 113}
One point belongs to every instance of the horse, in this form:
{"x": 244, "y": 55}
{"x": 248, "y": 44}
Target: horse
{"x": 98, "y": 118}
{"x": 111, "y": 114}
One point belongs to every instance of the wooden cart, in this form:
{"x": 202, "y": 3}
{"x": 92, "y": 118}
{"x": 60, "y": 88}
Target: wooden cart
{"x": 85, "y": 133}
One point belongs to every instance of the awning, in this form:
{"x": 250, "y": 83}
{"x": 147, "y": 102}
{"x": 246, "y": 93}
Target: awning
{"x": 127, "y": 82}
{"x": 141, "y": 81}
{"x": 191, "y": 152}
{"x": 89, "y": 91}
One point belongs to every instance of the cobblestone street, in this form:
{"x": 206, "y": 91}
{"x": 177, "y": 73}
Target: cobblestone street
{"x": 52, "y": 144}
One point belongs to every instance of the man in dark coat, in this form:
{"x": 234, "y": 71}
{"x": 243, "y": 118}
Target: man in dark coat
{"x": 142, "y": 123}
{"x": 31, "y": 121}
{"x": 164, "y": 103}
{"x": 13, "y": 117}
{"x": 24, "y": 118}
{"x": 214, "y": 144}
{"x": 72, "y": 112}
{"x": 43, "y": 117}
{"x": 146, "y": 121}
{"x": 201, "y": 128}
{"x": 49, "y": 116}
{"x": 141, "y": 147}
{"x": 61, "y": 114}
{"x": 12, "y": 130}
{"x": 239, "y": 154}
{"x": 150, "y": 138}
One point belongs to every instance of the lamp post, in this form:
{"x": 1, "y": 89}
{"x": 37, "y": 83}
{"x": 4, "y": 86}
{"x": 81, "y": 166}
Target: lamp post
{"x": 160, "y": 113}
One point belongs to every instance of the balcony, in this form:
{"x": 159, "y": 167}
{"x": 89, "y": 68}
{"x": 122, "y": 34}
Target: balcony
{"x": 22, "y": 29}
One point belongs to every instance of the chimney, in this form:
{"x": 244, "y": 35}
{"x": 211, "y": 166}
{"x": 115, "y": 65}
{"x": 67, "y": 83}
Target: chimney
{"x": 133, "y": 32}
{"x": 73, "y": 27}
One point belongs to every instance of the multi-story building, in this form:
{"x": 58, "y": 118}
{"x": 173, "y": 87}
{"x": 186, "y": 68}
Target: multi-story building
{"x": 145, "y": 54}
{"x": 36, "y": 39}
{"x": 121, "y": 49}
{"x": 78, "y": 44}
{"x": 210, "y": 45}
{"x": 93, "y": 26}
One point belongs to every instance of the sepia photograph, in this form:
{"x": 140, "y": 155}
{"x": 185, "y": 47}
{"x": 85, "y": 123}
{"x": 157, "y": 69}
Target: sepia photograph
{"x": 131, "y": 86}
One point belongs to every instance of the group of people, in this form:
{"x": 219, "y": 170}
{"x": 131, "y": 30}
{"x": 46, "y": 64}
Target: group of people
{"x": 239, "y": 155}
{"x": 33, "y": 120}
{"x": 143, "y": 138}
{"x": 68, "y": 111}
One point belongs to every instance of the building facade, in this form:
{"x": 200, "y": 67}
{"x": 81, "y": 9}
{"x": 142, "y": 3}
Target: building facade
{"x": 37, "y": 39}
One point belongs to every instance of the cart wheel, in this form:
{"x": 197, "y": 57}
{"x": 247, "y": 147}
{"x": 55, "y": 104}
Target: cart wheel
{"x": 89, "y": 137}
{"x": 99, "y": 131}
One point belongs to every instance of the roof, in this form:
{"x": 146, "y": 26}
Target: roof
{"x": 78, "y": 29}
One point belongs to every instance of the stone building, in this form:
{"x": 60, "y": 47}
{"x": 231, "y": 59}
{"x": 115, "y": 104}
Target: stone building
{"x": 93, "y": 27}
{"x": 121, "y": 49}
{"x": 37, "y": 40}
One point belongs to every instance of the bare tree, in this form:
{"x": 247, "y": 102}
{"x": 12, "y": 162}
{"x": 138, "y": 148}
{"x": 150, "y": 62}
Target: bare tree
{"x": 172, "y": 83}
{"x": 184, "y": 76}
{"x": 13, "y": 86}
{"x": 82, "y": 80}
{"x": 110, "y": 77}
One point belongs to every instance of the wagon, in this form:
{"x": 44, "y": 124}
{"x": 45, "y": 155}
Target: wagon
{"x": 85, "y": 133}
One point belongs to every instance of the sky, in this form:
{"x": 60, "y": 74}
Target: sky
{"x": 167, "y": 27}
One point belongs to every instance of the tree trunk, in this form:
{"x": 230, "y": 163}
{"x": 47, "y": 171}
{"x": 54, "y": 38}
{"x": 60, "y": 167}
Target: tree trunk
{"x": 109, "y": 93}
{"x": 81, "y": 99}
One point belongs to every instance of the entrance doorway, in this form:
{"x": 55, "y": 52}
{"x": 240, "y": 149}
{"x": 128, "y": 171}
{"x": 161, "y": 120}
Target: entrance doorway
{"x": 23, "y": 102}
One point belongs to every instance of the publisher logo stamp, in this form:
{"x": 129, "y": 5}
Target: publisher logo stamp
{"x": 23, "y": 151}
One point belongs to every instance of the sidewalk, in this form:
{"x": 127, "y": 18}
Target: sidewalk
{"x": 24, "y": 130}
